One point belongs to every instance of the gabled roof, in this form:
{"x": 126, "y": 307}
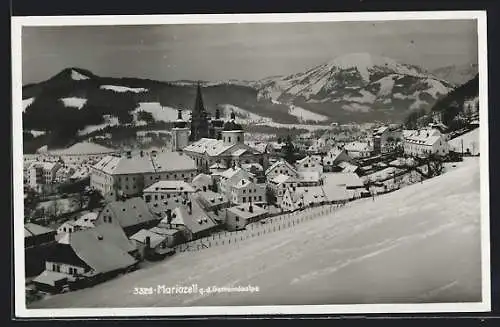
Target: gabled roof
{"x": 309, "y": 194}
{"x": 309, "y": 158}
{"x": 103, "y": 248}
{"x": 242, "y": 183}
{"x": 309, "y": 176}
{"x": 31, "y": 229}
{"x": 164, "y": 231}
{"x": 347, "y": 179}
{"x": 196, "y": 221}
{"x": 424, "y": 136}
{"x": 145, "y": 163}
{"x": 209, "y": 198}
{"x": 243, "y": 211}
{"x": 154, "y": 238}
{"x": 347, "y": 167}
{"x": 282, "y": 178}
{"x": 202, "y": 179}
{"x": 130, "y": 212}
{"x": 279, "y": 163}
{"x": 83, "y": 148}
{"x": 87, "y": 220}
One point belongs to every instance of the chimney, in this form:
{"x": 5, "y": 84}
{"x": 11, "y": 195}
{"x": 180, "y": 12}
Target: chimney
{"x": 148, "y": 242}
{"x": 169, "y": 216}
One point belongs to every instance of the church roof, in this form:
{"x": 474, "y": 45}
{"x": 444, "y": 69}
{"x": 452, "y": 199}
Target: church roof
{"x": 232, "y": 126}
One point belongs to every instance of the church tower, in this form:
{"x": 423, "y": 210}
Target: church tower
{"x": 180, "y": 133}
{"x": 199, "y": 118}
{"x": 217, "y": 126}
{"x": 232, "y": 132}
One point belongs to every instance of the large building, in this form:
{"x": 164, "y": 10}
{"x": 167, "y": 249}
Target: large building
{"x": 129, "y": 174}
{"x": 228, "y": 151}
{"x": 424, "y": 142}
{"x": 213, "y": 142}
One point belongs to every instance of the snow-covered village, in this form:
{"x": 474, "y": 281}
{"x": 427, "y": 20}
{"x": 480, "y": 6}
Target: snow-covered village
{"x": 354, "y": 181}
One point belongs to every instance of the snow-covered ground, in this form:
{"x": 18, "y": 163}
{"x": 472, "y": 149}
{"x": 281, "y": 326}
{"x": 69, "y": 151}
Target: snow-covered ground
{"x": 27, "y": 103}
{"x": 36, "y": 133}
{"x": 242, "y": 116}
{"x": 77, "y": 76}
{"x": 109, "y": 121}
{"x": 74, "y": 102}
{"x": 418, "y": 244}
{"x": 470, "y": 141}
{"x": 304, "y": 115}
{"x": 161, "y": 113}
{"x": 121, "y": 89}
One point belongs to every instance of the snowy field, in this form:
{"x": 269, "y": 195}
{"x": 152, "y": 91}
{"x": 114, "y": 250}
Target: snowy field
{"x": 470, "y": 141}
{"x": 420, "y": 244}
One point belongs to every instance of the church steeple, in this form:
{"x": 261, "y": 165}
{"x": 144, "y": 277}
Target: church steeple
{"x": 198, "y": 104}
{"x": 199, "y": 118}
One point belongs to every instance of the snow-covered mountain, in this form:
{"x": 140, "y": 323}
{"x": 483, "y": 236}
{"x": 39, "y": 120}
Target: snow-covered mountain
{"x": 457, "y": 74}
{"x": 357, "y": 82}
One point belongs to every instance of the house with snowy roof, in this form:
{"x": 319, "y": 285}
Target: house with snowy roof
{"x": 86, "y": 257}
{"x": 192, "y": 220}
{"x": 202, "y": 182}
{"x": 425, "y": 142}
{"x": 333, "y": 158}
{"x": 247, "y": 190}
{"x": 230, "y": 149}
{"x": 302, "y": 197}
{"x": 151, "y": 245}
{"x": 280, "y": 183}
{"x": 82, "y": 151}
{"x": 42, "y": 174}
{"x": 359, "y": 149}
{"x": 212, "y": 201}
{"x": 166, "y": 195}
{"x": 130, "y": 173}
{"x": 310, "y": 163}
{"x": 131, "y": 215}
{"x": 35, "y": 235}
{"x": 281, "y": 167}
{"x": 239, "y": 216}
{"x": 226, "y": 179}
{"x": 353, "y": 185}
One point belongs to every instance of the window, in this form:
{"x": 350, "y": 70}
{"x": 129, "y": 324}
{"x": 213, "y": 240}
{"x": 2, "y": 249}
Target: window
{"x": 244, "y": 199}
{"x": 162, "y": 197}
{"x": 229, "y": 139}
{"x": 156, "y": 197}
{"x": 168, "y": 196}
{"x": 260, "y": 198}
{"x": 147, "y": 198}
{"x": 109, "y": 219}
{"x": 237, "y": 218}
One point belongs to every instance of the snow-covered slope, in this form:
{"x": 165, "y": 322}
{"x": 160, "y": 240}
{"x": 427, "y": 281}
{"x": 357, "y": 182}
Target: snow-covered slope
{"x": 27, "y": 103}
{"x": 108, "y": 121}
{"x": 458, "y": 74}
{"x": 469, "y": 141}
{"x": 420, "y": 244}
{"x": 78, "y": 76}
{"x": 359, "y": 78}
{"x": 159, "y": 112}
{"x": 121, "y": 89}
{"x": 74, "y": 102}
{"x": 243, "y": 116}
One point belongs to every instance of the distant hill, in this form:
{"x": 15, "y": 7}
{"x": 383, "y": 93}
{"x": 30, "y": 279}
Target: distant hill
{"x": 457, "y": 74}
{"x": 350, "y": 88}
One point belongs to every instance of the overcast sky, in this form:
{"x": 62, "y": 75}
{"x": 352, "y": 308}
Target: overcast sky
{"x": 240, "y": 51}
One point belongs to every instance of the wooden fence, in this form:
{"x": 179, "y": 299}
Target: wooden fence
{"x": 271, "y": 225}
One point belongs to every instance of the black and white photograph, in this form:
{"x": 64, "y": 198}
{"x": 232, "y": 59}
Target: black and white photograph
{"x": 251, "y": 164}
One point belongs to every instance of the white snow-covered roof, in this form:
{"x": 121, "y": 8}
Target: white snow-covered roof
{"x": 281, "y": 163}
{"x": 310, "y": 194}
{"x": 424, "y": 137}
{"x": 358, "y": 147}
{"x": 169, "y": 186}
{"x": 347, "y": 179}
{"x": 282, "y": 178}
{"x": 309, "y": 176}
{"x": 212, "y": 147}
{"x": 83, "y": 148}
{"x": 347, "y": 167}
{"x": 146, "y": 163}
{"x": 243, "y": 211}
